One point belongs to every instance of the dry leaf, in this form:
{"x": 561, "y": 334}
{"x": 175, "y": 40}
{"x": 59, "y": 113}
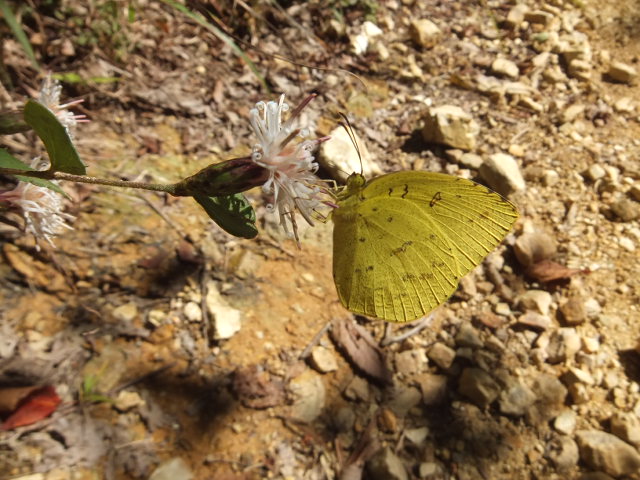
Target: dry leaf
{"x": 361, "y": 349}
{"x": 38, "y": 405}
{"x": 547, "y": 271}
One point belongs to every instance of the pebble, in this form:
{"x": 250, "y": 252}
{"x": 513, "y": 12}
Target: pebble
{"x": 192, "y": 312}
{"x": 627, "y": 427}
{"x": 565, "y": 423}
{"x": 344, "y": 420}
{"x": 431, "y": 470}
{"x": 564, "y": 343}
{"x": 360, "y": 42}
{"x": 433, "y": 388}
{"x": 505, "y": 68}
{"x": 385, "y": 465}
{"x": 606, "y": 452}
{"x": 624, "y": 105}
{"x": 580, "y": 69}
{"x": 596, "y": 172}
{"x": 323, "y": 360}
{"x": 425, "y": 33}
{"x": 441, "y": 355}
{"x": 532, "y": 247}
{"x": 626, "y": 210}
{"x": 538, "y": 16}
{"x": 126, "y": 312}
{"x": 634, "y": 191}
{"x": 172, "y": 469}
{"x": 595, "y": 476}
{"x": 417, "y": 436}
{"x": 225, "y": 319}
{"x": 468, "y": 336}
{"x": 470, "y": 160}
{"x": 450, "y": 125}
{"x": 534, "y": 321}
{"x": 409, "y": 362}
{"x": 577, "y": 375}
{"x": 572, "y": 112}
{"x": 551, "y": 395}
{"x": 573, "y": 311}
{"x": 627, "y": 244}
{"x": 516, "y": 15}
{"x": 127, "y": 400}
{"x": 537, "y": 300}
{"x": 563, "y": 452}
{"x": 621, "y": 72}
{"x": 358, "y": 389}
{"x": 516, "y": 150}
{"x": 340, "y": 157}
{"x": 502, "y": 173}
{"x": 478, "y": 386}
{"x": 516, "y": 400}
{"x": 309, "y": 392}
{"x": 404, "y": 399}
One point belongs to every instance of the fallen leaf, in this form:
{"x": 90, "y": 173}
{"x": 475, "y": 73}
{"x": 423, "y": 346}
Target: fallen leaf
{"x": 34, "y": 407}
{"x": 547, "y": 271}
{"x": 361, "y": 349}
{"x": 256, "y": 389}
{"x": 10, "y": 397}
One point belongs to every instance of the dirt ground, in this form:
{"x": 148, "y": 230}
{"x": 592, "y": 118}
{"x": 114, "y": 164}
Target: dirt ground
{"x": 120, "y": 316}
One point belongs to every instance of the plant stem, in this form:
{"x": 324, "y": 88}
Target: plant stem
{"x": 49, "y": 175}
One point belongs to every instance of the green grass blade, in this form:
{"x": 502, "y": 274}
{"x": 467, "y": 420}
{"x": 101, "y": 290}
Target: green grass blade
{"x": 17, "y": 30}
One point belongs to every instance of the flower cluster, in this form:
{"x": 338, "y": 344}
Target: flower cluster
{"x": 49, "y": 96}
{"x": 292, "y": 180}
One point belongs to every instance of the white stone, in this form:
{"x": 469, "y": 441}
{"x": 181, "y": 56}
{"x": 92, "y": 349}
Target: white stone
{"x": 621, "y": 72}
{"x": 172, "y": 469}
{"x": 424, "y": 33}
{"x": 126, "y": 312}
{"x": 323, "y": 360}
{"x": 505, "y": 68}
{"x": 536, "y": 300}
{"x": 606, "y": 452}
{"x": 502, "y": 173}
{"x": 225, "y": 319}
{"x": 565, "y": 423}
{"x": 450, "y": 125}
{"x": 340, "y": 157}
{"x": 192, "y": 312}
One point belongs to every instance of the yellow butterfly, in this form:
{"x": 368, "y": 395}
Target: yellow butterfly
{"x": 402, "y": 241}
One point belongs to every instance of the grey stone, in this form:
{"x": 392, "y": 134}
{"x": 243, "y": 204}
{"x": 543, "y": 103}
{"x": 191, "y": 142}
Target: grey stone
{"x": 565, "y": 423}
{"x": 550, "y": 396}
{"x": 534, "y": 321}
{"x": 516, "y": 400}
{"x": 626, "y": 210}
{"x": 358, "y": 389}
{"x": 417, "y": 436}
{"x": 478, "y": 386}
{"x": 563, "y": 452}
{"x": 468, "y": 336}
{"x": 536, "y": 300}
{"x": 409, "y": 362}
{"x": 627, "y": 427}
{"x": 385, "y": 465}
{"x": 434, "y": 388}
{"x": 322, "y": 359}
{"x": 606, "y": 452}
{"x": 564, "y": 343}
{"x": 309, "y": 393}
{"x": 533, "y": 247}
{"x": 502, "y": 173}
{"x": 404, "y": 399}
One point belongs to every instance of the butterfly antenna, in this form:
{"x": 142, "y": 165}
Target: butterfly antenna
{"x": 346, "y": 124}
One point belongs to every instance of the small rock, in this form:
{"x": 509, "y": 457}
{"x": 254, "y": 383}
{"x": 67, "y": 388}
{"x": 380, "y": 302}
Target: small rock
{"x": 468, "y": 336}
{"x": 344, "y": 420}
{"x": 592, "y": 307}
{"x": 424, "y": 33}
{"x": 192, "y": 312}
{"x": 323, "y": 360}
{"x": 433, "y": 387}
{"x": 590, "y": 344}
{"x": 538, "y": 16}
{"x": 596, "y": 172}
{"x": 172, "y": 469}
{"x": 537, "y": 300}
{"x": 358, "y": 389}
{"x": 516, "y": 400}
{"x": 533, "y": 247}
{"x": 404, "y": 399}
{"x": 625, "y": 105}
{"x": 126, "y": 312}
{"x": 572, "y": 112}
{"x": 550, "y": 178}
{"x": 621, "y": 72}
{"x": 309, "y": 393}
{"x": 340, "y": 157}
{"x": 516, "y": 150}
{"x": 626, "y": 210}
{"x": 577, "y": 375}
{"x": 565, "y": 423}
{"x": 516, "y": 15}
{"x": 450, "y": 125}
{"x": 595, "y": 476}
{"x": 417, "y": 436}
{"x": 634, "y": 191}
{"x": 534, "y": 321}
{"x": 411, "y": 361}
{"x": 360, "y": 42}
{"x": 627, "y": 244}
{"x": 502, "y": 173}
{"x": 627, "y": 427}
{"x": 431, "y": 470}
{"x": 505, "y": 68}
{"x": 573, "y": 311}
{"x": 580, "y": 69}
{"x": 387, "y": 420}
{"x": 385, "y": 465}
{"x": 551, "y": 395}
{"x": 564, "y": 343}
{"x": 471, "y": 160}
{"x": 563, "y": 452}
{"x": 478, "y": 386}
{"x": 226, "y": 320}
{"x": 127, "y": 400}
{"x": 441, "y": 355}
{"x": 606, "y": 452}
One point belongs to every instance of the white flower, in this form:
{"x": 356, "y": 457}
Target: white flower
{"x": 41, "y": 208}
{"x": 49, "y": 96}
{"x": 292, "y": 180}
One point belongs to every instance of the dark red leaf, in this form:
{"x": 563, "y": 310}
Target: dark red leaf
{"x": 38, "y": 405}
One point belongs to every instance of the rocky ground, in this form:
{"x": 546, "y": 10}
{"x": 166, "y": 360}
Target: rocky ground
{"x": 181, "y": 352}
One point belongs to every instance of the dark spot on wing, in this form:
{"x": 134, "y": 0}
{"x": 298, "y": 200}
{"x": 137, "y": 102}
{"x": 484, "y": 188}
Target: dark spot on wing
{"x": 374, "y": 209}
{"x": 362, "y": 239}
{"x": 369, "y": 268}
{"x": 402, "y": 248}
{"x": 406, "y": 190}
{"x": 390, "y": 191}
{"x": 389, "y": 219}
{"x": 436, "y": 198}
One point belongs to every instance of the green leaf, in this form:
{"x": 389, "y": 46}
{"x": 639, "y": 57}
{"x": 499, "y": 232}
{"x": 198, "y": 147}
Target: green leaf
{"x": 18, "y": 32}
{"x": 233, "y": 213}
{"x": 62, "y": 153}
{"x": 9, "y": 161}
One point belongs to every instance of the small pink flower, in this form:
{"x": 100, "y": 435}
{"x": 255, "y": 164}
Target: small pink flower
{"x": 41, "y": 208}
{"x": 292, "y": 180}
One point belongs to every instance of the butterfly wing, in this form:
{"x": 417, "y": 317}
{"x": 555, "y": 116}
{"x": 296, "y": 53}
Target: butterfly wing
{"x": 402, "y": 243}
